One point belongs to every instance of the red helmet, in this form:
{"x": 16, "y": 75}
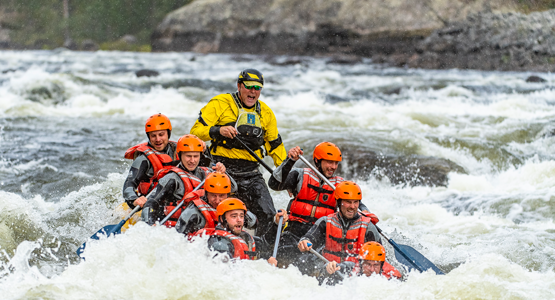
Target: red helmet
{"x": 327, "y": 151}
{"x": 217, "y": 183}
{"x": 372, "y": 251}
{"x": 157, "y": 122}
{"x": 348, "y": 190}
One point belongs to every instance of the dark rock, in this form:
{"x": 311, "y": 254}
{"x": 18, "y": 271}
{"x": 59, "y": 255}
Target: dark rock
{"x": 330, "y": 98}
{"x": 89, "y": 45}
{"x": 344, "y": 60}
{"x": 70, "y": 44}
{"x": 286, "y": 60}
{"x": 5, "y": 40}
{"x": 410, "y": 170}
{"x": 535, "y": 78}
{"x": 351, "y": 28}
{"x": 492, "y": 41}
{"x": 147, "y": 73}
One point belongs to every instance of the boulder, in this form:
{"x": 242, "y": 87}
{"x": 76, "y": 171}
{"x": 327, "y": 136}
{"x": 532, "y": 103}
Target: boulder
{"x": 5, "y": 40}
{"x": 147, "y": 73}
{"x": 492, "y": 41}
{"x": 535, "y": 78}
{"x": 351, "y": 27}
{"x": 70, "y": 44}
{"x": 89, "y": 45}
{"x": 412, "y": 170}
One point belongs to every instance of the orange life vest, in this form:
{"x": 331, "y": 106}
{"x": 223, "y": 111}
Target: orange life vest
{"x": 157, "y": 159}
{"x": 208, "y": 212}
{"x": 243, "y": 250}
{"x": 389, "y": 271}
{"x": 344, "y": 247}
{"x": 313, "y": 201}
{"x": 190, "y": 182}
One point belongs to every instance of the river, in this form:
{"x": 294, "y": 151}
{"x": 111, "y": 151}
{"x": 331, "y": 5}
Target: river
{"x": 66, "y": 118}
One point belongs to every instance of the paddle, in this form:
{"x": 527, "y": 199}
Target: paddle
{"x": 181, "y": 204}
{"x": 277, "y": 236}
{"x": 323, "y": 259}
{"x": 406, "y": 255}
{"x": 108, "y": 230}
{"x": 255, "y": 156}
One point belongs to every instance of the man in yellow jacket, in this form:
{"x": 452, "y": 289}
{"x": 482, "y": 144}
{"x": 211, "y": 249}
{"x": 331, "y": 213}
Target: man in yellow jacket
{"x": 240, "y": 115}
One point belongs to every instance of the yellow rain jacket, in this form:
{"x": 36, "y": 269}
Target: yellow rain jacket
{"x": 223, "y": 110}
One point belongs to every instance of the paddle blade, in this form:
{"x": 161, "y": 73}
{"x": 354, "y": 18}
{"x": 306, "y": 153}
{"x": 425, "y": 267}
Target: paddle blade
{"x": 413, "y": 259}
{"x": 104, "y": 231}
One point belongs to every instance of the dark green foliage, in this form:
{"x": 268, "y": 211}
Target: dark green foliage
{"x": 536, "y": 5}
{"x": 40, "y": 23}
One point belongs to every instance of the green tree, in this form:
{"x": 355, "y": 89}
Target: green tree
{"x": 40, "y": 23}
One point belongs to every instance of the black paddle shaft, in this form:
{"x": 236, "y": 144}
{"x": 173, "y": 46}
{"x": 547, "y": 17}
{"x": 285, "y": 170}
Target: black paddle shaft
{"x": 255, "y": 156}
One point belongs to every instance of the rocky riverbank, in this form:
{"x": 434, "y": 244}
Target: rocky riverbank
{"x": 436, "y": 34}
{"x": 487, "y": 41}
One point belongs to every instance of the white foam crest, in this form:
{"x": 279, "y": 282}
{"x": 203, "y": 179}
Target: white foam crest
{"x": 94, "y": 205}
{"x": 28, "y": 213}
{"x": 411, "y": 216}
{"x": 528, "y": 178}
{"x": 159, "y": 263}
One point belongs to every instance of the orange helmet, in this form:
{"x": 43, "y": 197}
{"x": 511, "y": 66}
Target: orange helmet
{"x": 327, "y": 151}
{"x": 230, "y": 204}
{"x": 189, "y": 142}
{"x": 348, "y": 190}
{"x": 217, "y": 183}
{"x": 157, "y": 122}
{"x": 372, "y": 251}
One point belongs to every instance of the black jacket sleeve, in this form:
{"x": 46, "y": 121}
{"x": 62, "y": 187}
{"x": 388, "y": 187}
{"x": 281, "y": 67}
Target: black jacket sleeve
{"x": 137, "y": 173}
{"x": 317, "y": 234}
{"x": 283, "y": 178}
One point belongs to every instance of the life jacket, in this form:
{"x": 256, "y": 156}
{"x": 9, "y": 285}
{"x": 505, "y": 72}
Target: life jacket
{"x": 242, "y": 249}
{"x": 314, "y": 200}
{"x": 208, "y": 212}
{"x": 388, "y": 270}
{"x": 247, "y": 124}
{"x": 190, "y": 182}
{"x": 157, "y": 159}
{"x": 342, "y": 247}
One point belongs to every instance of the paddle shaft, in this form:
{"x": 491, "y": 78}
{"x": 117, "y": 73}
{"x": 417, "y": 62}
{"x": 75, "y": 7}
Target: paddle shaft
{"x": 317, "y": 172}
{"x": 180, "y": 204}
{"x": 324, "y": 260}
{"x": 255, "y": 156}
{"x": 136, "y": 209}
{"x": 278, "y": 236}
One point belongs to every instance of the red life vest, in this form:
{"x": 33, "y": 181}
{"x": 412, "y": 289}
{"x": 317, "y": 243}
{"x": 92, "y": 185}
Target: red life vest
{"x": 340, "y": 247}
{"x": 389, "y": 271}
{"x": 208, "y": 212}
{"x": 243, "y": 250}
{"x": 190, "y": 182}
{"x": 157, "y": 160}
{"x": 313, "y": 201}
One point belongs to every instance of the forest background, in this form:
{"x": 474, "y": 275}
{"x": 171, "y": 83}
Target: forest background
{"x": 47, "y": 24}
